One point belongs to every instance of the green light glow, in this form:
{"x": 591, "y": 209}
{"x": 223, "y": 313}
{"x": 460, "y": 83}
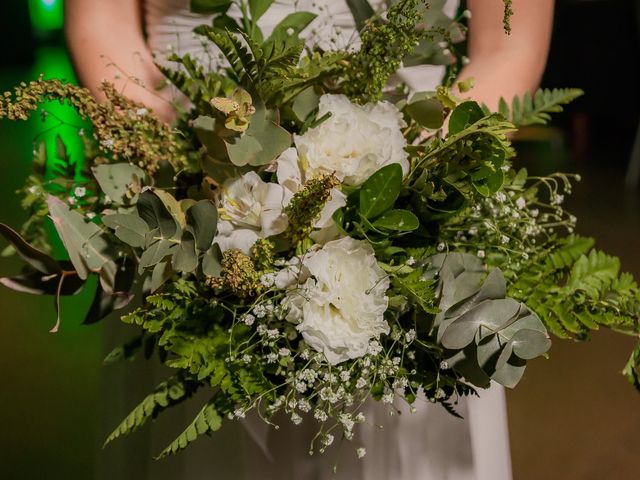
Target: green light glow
{"x": 46, "y": 14}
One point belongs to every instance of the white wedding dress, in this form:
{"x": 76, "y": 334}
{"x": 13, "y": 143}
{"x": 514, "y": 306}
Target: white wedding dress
{"x": 427, "y": 445}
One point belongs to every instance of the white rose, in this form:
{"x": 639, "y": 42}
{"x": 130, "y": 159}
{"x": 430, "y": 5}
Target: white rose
{"x": 249, "y": 209}
{"x": 340, "y": 302}
{"x": 355, "y": 142}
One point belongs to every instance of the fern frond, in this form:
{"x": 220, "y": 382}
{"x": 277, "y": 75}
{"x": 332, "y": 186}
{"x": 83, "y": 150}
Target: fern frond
{"x": 167, "y": 394}
{"x": 207, "y": 421}
{"x": 526, "y": 110}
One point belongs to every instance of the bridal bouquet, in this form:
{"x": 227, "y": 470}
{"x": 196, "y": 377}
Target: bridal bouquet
{"x": 306, "y": 237}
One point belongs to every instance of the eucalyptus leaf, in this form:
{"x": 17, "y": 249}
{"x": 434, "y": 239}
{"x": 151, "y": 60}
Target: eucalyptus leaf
{"x": 491, "y": 315}
{"x": 156, "y": 214}
{"x": 361, "y": 10}
{"x": 529, "y": 344}
{"x": 34, "y": 257}
{"x": 155, "y": 253}
{"x": 37, "y": 283}
{"x": 380, "y": 191}
{"x": 85, "y": 243}
{"x": 185, "y": 258}
{"x": 129, "y": 228}
{"x": 305, "y": 103}
{"x": 428, "y": 112}
{"x": 161, "y": 273}
{"x": 212, "y": 261}
{"x": 122, "y": 182}
{"x": 202, "y": 222}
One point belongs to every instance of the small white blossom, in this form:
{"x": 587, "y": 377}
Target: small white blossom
{"x": 465, "y": 60}
{"x": 90, "y": 215}
{"x": 481, "y": 254}
{"x": 521, "y": 203}
{"x": 268, "y": 279}
{"x": 246, "y": 358}
{"x": 272, "y": 333}
{"x": 290, "y": 31}
{"x": 446, "y": 52}
{"x": 440, "y": 394}
{"x": 504, "y": 239}
{"x": 361, "y": 383}
{"x": 410, "y": 261}
{"x": 260, "y": 311}
{"x": 501, "y": 197}
{"x": 239, "y": 413}
{"x": 142, "y": 112}
{"x": 374, "y": 348}
{"x": 345, "y": 376}
{"x": 466, "y": 13}
{"x": 304, "y": 405}
{"x": 360, "y": 418}
{"x": 328, "y": 439}
{"x": 388, "y": 397}
{"x": 411, "y": 355}
{"x": 304, "y": 354}
{"x": 410, "y": 336}
{"x": 301, "y": 386}
{"x": 80, "y": 192}
{"x": 296, "y": 419}
{"x": 320, "y": 415}
{"x": 444, "y": 365}
{"x": 440, "y": 246}
{"x": 272, "y": 358}
{"x": 535, "y": 212}
{"x": 284, "y": 352}
{"x": 262, "y": 329}
{"x": 361, "y": 452}
{"x": 248, "y": 319}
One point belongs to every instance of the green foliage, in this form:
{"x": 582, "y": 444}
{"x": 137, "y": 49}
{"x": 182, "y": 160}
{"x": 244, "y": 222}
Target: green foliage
{"x": 380, "y": 191}
{"x": 384, "y": 45}
{"x": 536, "y": 111}
{"x": 488, "y": 336}
{"x": 166, "y": 395}
{"x": 575, "y": 289}
{"x": 207, "y": 421}
{"x": 121, "y": 182}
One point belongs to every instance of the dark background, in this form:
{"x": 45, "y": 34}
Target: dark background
{"x": 572, "y": 417}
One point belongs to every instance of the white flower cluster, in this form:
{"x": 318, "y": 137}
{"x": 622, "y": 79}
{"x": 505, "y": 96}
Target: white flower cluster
{"x": 352, "y": 144}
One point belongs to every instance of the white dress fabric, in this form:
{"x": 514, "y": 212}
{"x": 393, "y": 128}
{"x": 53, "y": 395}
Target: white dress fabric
{"x": 427, "y": 445}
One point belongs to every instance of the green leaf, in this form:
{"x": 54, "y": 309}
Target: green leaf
{"x": 212, "y": 261}
{"x": 85, "y": 243}
{"x": 185, "y": 258}
{"x": 165, "y": 395}
{"x": 34, "y": 257}
{"x": 536, "y": 111}
{"x": 305, "y": 103}
{"x": 257, "y": 8}
{"x": 202, "y": 222}
{"x": 155, "y": 253}
{"x": 157, "y": 215}
{"x": 129, "y": 228}
{"x": 529, "y": 344}
{"x": 428, "y": 112}
{"x": 490, "y": 315}
{"x": 207, "y": 421}
{"x": 291, "y": 25}
{"x": 399, "y": 220}
{"x": 262, "y": 142}
{"x": 380, "y": 191}
{"x": 161, "y": 272}
{"x": 209, "y": 6}
{"x": 465, "y": 114}
{"x": 122, "y": 182}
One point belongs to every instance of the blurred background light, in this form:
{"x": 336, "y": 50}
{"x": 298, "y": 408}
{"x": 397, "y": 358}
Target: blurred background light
{"x": 46, "y": 15}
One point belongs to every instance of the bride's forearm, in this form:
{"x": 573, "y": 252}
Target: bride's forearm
{"x": 507, "y": 65}
{"x": 107, "y": 43}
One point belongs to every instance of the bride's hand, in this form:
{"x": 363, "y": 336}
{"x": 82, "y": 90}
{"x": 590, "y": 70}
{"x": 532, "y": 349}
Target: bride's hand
{"x": 107, "y": 43}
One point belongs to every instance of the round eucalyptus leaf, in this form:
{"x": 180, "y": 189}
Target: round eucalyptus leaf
{"x": 529, "y": 344}
{"x": 491, "y": 315}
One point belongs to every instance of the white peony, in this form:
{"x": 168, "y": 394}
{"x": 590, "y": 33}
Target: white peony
{"x": 249, "y": 209}
{"x": 355, "y": 142}
{"x": 340, "y": 301}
